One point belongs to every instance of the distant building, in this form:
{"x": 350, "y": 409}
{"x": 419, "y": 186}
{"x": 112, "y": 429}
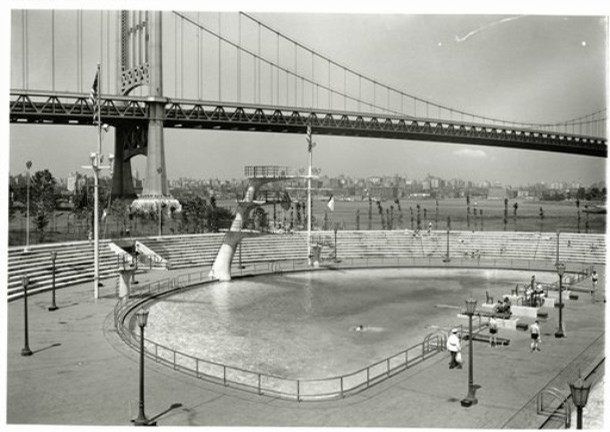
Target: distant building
{"x": 496, "y": 193}
{"x": 72, "y": 179}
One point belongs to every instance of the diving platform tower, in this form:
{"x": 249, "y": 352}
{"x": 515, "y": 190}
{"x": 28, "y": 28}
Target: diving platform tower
{"x": 257, "y": 176}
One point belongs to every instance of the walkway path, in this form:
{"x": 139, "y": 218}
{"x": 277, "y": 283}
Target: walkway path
{"x": 81, "y": 373}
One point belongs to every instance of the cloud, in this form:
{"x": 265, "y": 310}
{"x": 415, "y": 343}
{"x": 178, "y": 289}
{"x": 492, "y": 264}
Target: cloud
{"x": 486, "y": 26}
{"x": 470, "y": 153}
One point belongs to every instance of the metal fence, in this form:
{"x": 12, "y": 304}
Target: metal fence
{"x": 261, "y": 383}
{"x": 297, "y": 389}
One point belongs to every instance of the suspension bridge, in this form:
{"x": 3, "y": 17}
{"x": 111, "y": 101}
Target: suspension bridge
{"x": 230, "y": 72}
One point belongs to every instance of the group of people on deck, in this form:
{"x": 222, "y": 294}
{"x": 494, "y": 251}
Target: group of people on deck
{"x": 533, "y": 293}
{"x": 502, "y": 308}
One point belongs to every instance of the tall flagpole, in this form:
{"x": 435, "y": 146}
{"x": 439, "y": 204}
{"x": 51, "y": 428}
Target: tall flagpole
{"x": 309, "y": 148}
{"x": 96, "y": 168}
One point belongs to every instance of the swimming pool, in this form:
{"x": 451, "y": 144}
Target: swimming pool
{"x": 304, "y": 325}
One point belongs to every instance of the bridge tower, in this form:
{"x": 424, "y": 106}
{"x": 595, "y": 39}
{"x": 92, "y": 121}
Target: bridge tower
{"x": 141, "y": 65}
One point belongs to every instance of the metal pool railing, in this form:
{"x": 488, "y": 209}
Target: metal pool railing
{"x": 295, "y": 389}
{"x": 259, "y": 382}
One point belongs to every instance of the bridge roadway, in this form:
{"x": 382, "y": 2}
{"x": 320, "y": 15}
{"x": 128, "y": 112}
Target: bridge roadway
{"x": 75, "y": 108}
{"x": 81, "y": 373}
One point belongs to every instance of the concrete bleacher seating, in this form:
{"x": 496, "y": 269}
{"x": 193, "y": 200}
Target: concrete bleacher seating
{"x": 187, "y": 250}
{"x": 74, "y": 262}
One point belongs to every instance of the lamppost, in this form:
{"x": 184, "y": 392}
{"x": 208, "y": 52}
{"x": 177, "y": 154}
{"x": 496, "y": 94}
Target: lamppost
{"x": 470, "y": 399}
{"x": 141, "y": 420}
{"x": 25, "y": 351}
{"x": 161, "y": 207}
{"x": 53, "y": 306}
{"x": 557, "y": 253}
{"x": 580, "y": 394}
{"x": 336, "y": 227}
{"x": 447, "y": 259}
{"x": 96, "y": 165}
{"x": 28, "y": 165}
{"x": 135, "y": 260}
{"x": 310, "y": 146}
{"x": 560, "y": 270}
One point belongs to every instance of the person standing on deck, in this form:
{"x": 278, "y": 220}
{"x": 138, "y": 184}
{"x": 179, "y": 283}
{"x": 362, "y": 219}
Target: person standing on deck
{"x": 454, "y": 347}
{"x": 535, "y": 335}
{"x": 493, "y": 330}
{"x": 594, "y": 279}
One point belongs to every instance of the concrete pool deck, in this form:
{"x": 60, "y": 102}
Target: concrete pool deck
{"x": 81, "y": 373}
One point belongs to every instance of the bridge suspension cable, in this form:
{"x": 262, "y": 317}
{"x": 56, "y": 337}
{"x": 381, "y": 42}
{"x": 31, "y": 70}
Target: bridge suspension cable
{"x": 427, "y": 104}
{"x": 266, "y": 66}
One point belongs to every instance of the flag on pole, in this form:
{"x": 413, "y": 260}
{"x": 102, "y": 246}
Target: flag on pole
{"x": 310, "y": 143}
{"x": 331, "y": 203}
{"x": 94, "y": 95}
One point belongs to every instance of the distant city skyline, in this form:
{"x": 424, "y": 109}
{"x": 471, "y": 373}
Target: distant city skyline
{"x": 514, "y": 67}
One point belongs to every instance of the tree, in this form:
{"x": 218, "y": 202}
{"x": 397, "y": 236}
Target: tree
{"x": 11, "y": 203}
{"x": 43, "y": 199}
{"x": 119, "y": 209}
{"x": 380, "y": 210}
{"x": 84, "y": 202}
{"x": 298, "y": 208}
{"x": 474, "y": 215}
{"x": 400, "y": 216}
{"x": 586, "y": 219}
{"x": 388, "y": 223}
{"x": 259, "y": 219}
{"x": 505, "y": 212}
{"x": 370, "y": 225}
{"x": 515, "y": 207}
{"x": 220, "y": 218}
{"x": 468, "y": 211}
{"x": 578, "y": 212}
{"x": 192, "y": 216}
{"x": 411, "y": 210}
{"x": 83, "y": 205}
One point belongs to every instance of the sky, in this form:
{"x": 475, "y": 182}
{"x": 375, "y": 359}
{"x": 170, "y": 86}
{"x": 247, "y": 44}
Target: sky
{"x": 534, "y": 67}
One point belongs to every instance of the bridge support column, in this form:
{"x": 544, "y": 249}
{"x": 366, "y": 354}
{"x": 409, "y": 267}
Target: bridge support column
{"x": 155, "y": 184}
{"x": 155, "y": 190}
{"x": 125, "y": 142}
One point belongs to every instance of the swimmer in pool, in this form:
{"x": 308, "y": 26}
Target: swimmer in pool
{"x": 360, "y": 328}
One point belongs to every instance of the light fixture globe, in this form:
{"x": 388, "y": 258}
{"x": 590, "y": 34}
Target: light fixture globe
{"x": 471, "y": 306}
{"x": 142, "y": 317}
{"x": 561, "y": 268}
{"x": 580, "y": 391}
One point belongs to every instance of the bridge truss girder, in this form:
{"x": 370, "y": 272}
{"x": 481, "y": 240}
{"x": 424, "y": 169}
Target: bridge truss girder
{"x": 76, "y": 109}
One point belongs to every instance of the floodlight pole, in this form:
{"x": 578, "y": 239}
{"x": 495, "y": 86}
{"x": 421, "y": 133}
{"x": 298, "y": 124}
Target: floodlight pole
{"x": 28, "y": 165}
{"x": 310, "y": 151}
{"x": 96, "y": 192}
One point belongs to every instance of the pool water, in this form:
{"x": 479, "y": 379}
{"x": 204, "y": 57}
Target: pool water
{"x": 304, "y": 325}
